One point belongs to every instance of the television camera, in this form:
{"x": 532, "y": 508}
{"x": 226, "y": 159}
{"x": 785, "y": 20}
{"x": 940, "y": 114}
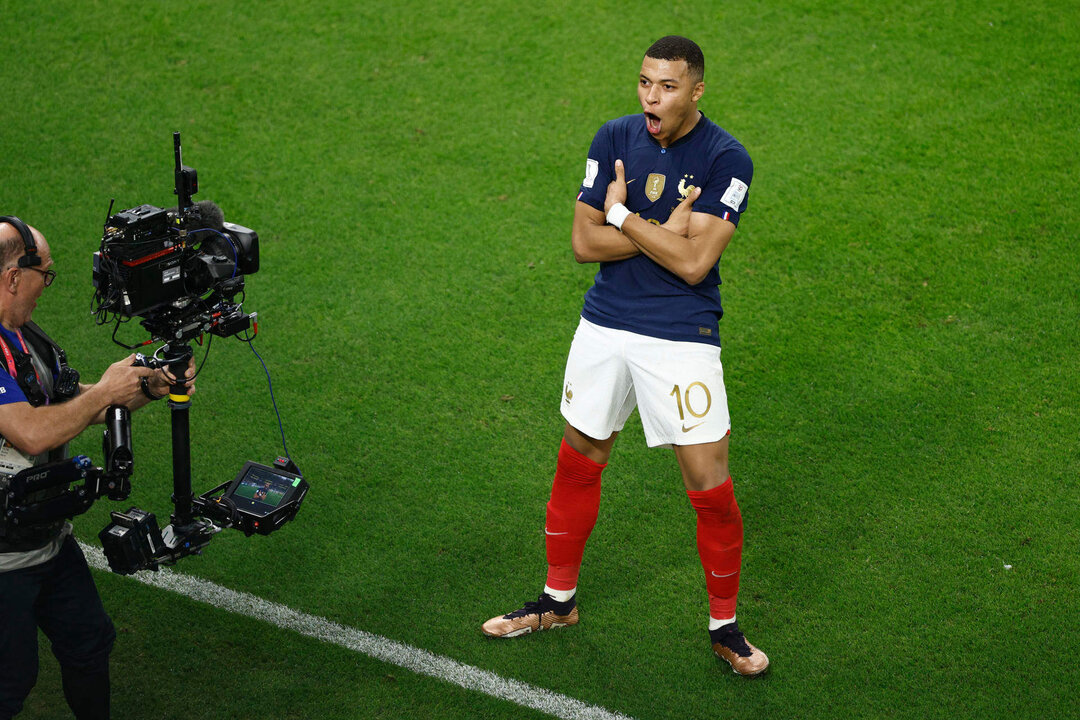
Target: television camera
{"x": 180, "y": 271}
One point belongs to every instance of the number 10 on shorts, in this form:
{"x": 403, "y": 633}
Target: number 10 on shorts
{"x": 686, "y": 400}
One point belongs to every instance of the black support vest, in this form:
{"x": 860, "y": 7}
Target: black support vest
{"x": 45, "y": 355}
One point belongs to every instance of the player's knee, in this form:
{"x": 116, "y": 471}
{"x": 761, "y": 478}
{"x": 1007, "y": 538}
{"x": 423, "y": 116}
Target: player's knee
{"x": 717, "y": 502}
{"x": 707, "y": 478}
{"x": 578, "y": 449}
{"x": 576, "y": 471}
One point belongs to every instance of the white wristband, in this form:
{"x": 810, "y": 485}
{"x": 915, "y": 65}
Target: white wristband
{"x": 617, "y": 215}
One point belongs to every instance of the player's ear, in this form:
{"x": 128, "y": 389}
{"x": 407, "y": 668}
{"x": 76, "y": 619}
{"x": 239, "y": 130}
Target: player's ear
{"x": 699, "y": 90}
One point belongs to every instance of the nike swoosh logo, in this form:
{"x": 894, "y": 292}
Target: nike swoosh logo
{"x": 630, "y": 180}
{"x": 688, "y": 429}
{"x": 724, "y": 576}
{"x": 548, "y": 532}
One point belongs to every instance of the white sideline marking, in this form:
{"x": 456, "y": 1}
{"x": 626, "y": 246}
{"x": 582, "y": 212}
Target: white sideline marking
{"x": 376, "y": 646}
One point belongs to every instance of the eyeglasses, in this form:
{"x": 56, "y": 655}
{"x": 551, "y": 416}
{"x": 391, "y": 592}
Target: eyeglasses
{"x": 47, "y": 276}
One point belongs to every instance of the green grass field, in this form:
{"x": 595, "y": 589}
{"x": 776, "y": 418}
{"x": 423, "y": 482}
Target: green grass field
{"x": 900, "y": 345}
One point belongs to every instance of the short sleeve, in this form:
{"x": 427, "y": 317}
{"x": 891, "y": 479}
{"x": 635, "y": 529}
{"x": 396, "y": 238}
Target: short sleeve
{"x": 599, "y": 169}
{"x": 727, "y": 190}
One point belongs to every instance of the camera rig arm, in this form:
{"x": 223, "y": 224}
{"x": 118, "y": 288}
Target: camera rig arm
{"x": 26, "y": 500}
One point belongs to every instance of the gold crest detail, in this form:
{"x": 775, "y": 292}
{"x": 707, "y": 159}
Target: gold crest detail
{"x": 654, "y": 186}
{"x": 684, "y": 189}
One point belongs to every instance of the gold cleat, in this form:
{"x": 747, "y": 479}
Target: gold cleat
{"x": 544, "y": 614}
{"x": 730, "y": 644}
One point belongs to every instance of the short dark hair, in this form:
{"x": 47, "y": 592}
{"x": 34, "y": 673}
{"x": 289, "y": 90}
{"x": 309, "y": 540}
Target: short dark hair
{"x": 676, "y": 47}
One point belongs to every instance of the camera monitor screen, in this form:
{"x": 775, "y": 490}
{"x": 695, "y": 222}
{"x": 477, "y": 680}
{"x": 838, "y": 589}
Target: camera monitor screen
{"x": 259, "y": 490}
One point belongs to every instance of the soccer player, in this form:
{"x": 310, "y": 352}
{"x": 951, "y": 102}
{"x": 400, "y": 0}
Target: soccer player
{"x": 662, "y": 195}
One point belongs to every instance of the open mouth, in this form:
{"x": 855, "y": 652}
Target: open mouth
{"x": 652, "y": 123}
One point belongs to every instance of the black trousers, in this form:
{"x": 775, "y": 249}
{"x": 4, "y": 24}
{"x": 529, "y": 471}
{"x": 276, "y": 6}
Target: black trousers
{"x": 60, "y": 597}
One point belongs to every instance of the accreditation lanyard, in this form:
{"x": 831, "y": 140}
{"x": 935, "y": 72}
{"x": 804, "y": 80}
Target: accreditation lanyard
{"x": 11, "y": 361}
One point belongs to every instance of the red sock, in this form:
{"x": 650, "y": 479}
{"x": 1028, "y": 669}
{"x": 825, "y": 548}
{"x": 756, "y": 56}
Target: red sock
{"x": 719, "y": 541}
{"x": 571, "y": 515}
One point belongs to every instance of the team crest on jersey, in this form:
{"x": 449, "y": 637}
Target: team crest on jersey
{"x": 654, "y": 186}
{"x": 685, "y": 189}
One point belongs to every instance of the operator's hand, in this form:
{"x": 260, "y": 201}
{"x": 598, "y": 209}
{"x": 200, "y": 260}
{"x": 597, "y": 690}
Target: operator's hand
{"x": 162, "y": 380}
{"x": 679, "y": 220}
{"x": 616, "y": 189}
{"x": 120, "y": 384}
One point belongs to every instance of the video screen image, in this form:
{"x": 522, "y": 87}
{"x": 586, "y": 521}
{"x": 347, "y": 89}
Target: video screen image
{"x": 263, "y": 486}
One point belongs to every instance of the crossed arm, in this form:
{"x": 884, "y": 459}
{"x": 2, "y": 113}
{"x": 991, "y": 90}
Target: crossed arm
{"x": 689, "y": 244}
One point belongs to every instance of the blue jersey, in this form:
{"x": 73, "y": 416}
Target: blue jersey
{"x": 637, "y": 294}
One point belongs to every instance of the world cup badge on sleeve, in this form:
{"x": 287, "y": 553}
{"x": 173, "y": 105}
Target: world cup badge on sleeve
{"x": 591, "y": 169}
{"x": 735, "y": 193}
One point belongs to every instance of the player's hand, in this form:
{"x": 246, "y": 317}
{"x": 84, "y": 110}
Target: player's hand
{"x": 616, "y": 189}
{"x": 679, "y": 220}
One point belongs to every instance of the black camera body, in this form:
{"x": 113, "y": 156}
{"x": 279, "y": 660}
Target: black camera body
{"x": 179, "y": 269}
{"x": 152, "y": 257}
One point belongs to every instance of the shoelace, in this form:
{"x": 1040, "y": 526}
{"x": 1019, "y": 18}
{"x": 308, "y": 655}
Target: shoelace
{"x": 736, "y": 642}
{"x": 541, "y": 606}
{"x": 529, "y": 609}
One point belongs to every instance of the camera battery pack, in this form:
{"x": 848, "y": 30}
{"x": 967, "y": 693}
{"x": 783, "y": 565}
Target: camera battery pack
{"x": 131, "y": 541}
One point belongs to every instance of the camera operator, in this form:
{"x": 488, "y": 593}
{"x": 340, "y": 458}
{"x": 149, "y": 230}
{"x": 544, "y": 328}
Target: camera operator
{"x": 44, "y": 579}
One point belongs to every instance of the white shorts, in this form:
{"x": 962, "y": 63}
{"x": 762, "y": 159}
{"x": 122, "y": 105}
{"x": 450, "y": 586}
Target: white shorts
{"x": 678, "y": 387}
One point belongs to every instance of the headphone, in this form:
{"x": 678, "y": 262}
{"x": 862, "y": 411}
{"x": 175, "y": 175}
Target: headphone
{"x": 31, "y": 257}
